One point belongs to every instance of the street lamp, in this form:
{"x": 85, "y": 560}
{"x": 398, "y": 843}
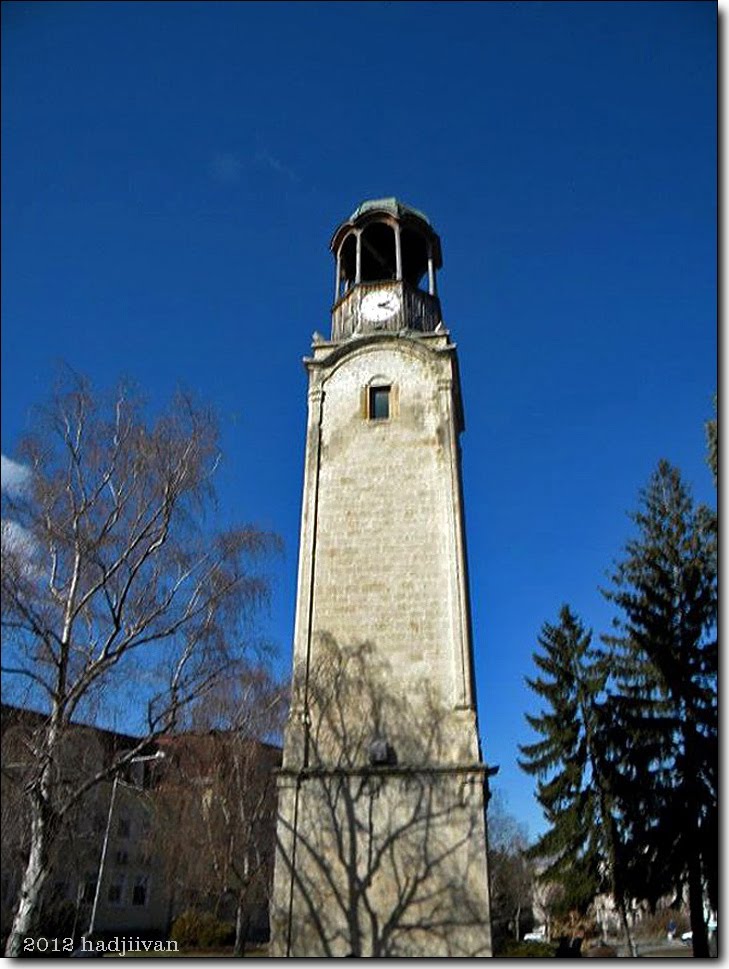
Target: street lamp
{"x": 159, "y": 755}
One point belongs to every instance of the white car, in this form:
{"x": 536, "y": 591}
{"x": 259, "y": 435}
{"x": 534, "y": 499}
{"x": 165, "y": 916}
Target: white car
{"x": 539, "y": 936}
{"x": 688, "y": 937}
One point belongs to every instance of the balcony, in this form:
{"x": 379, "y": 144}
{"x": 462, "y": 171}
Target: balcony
{"x": 419, "y": 311}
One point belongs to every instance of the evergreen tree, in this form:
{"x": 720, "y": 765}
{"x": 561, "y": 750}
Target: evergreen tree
{"x": 662, "y": 721}
{"x": 712, "y": 443}
{"x": 561, "y": 761}
{"x": 584, "y": 841}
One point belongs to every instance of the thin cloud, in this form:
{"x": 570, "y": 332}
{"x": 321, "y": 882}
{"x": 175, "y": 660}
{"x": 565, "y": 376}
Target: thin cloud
{"x": 15, "y": 538}
{"x": 264, "y": 159}
{"x": 15, "y": 541}
{"x": 20, "y": 551}
{"x": 14, "y": 477}
{"x": 226, "y": 167}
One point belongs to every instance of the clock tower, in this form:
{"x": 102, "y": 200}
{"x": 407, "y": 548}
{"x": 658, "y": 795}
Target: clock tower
{"x": 381, "y": 839}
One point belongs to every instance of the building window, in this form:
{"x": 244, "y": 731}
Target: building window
{"x": 60, "y": 891}
{"x": 87, "y": 889}
{"x": 139, "y": 891}
{"x": 379, "y": 403}
{"x": 116, "y": 890}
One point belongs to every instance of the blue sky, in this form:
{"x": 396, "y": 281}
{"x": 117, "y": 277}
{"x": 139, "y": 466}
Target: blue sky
{"x": 172, "y": 174}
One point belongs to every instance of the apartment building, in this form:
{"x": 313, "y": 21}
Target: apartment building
{"x": 134, "y": 855}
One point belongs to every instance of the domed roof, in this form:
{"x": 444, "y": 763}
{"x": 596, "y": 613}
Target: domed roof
{"x": 390, "y": 205}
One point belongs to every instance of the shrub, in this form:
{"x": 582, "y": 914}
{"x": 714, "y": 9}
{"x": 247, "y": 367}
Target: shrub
{"x": 575, "y": 924}
{"x": 201, "y": 930}
{"x": 512, "y": 949}
{"x": 58, "y": 919}
{"x": 655, "y": 925}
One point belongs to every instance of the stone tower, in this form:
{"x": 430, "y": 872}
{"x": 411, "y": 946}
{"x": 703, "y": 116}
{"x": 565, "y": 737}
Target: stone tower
{"x": 381, "y": 845}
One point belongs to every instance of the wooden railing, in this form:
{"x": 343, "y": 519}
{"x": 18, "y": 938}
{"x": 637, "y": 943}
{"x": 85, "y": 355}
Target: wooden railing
{"x": 418, "y": 311}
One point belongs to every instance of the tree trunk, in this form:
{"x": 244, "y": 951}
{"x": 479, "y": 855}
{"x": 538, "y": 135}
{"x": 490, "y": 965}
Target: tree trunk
{"x": 632, "y": 947}
{"x": 35, "y": 876}
{"x": 700, "y": 937}
{"x": 696, "y": 905}
{"x": 241, "y": 927}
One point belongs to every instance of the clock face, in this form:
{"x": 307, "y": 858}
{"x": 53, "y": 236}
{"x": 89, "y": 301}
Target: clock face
{"x": 379, "y": 305}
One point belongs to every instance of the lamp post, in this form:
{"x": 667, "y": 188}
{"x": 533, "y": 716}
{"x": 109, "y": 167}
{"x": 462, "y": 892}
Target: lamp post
{"x": 159, "y": 755}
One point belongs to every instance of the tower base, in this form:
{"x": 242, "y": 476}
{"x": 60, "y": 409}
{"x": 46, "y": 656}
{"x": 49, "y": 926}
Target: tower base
{"x": 381, "y": 862}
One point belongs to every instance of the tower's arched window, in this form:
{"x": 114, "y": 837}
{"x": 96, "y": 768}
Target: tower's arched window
{"x": 347, "y": 264}
{"x": 379, "y": 399}
{"x": 414, "y": 255}
{"x": 379, "y": 259}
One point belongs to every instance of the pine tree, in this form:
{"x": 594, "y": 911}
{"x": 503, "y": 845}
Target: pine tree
{"x": 576, "y": 781}
{"x": 561, "y": 761}
{"x": 663, "y": 720}
{"x": 712, "y": 443}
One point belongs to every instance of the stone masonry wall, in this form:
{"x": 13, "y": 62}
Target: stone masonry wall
{"x": 389, "y": 859}
{"x": 386, "y": 556}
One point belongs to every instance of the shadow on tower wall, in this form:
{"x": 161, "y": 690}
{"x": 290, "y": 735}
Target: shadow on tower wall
{"x": 381, "y": 847}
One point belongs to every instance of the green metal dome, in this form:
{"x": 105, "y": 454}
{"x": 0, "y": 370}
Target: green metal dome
{"x": 371, "y": 212}
{"x": 390, "y": 205}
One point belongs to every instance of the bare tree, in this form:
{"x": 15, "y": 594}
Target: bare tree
{"x": 511, "y": 872}
{"x": 217, "y": 801}
{"x": 109, "y": 580}
{"x": 547, "y": 901}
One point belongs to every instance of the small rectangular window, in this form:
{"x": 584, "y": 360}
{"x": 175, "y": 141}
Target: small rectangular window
{"x": 87, "y": 889}
{"x": 60, "y": 891}
{"x": 379, "y": 403}
{"x": 115, "y": 892}
{"x": 139, "y": 891}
